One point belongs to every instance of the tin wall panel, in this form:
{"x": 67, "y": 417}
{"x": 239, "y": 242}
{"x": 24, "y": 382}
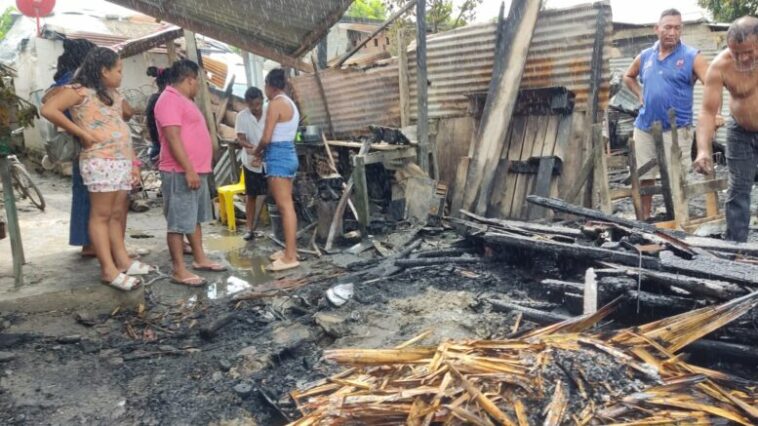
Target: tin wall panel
{"x": 460, "y": 62}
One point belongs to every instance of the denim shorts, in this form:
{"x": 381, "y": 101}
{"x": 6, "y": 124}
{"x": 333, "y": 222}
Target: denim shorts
{"x": 281, "y": 160}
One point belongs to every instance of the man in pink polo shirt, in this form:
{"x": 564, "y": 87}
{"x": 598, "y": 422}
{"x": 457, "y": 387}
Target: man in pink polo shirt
{"x": 185, "y": 165}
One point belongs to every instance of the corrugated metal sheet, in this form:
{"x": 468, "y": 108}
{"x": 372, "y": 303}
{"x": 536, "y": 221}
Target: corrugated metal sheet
{"x": 460, "y": 62}
{"x": 282, "y": 30}
{"x": 356, "y": 98}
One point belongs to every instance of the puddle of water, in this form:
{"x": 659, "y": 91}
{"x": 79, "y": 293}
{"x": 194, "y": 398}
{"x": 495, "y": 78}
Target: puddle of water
{"x": 225, "y": 242}
{"x": 248, "y": 271}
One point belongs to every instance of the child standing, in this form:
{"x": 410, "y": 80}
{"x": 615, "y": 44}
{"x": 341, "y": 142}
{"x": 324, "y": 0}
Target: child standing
{"x": 107, "y": 160}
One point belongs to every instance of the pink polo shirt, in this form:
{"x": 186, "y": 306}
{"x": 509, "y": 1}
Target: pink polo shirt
{"x": 175, "y": 109}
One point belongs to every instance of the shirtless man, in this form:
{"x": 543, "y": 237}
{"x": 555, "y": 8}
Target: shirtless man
{"x": 736, "y": 68}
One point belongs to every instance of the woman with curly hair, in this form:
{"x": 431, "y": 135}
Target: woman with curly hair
{"x": 107, "y": 160}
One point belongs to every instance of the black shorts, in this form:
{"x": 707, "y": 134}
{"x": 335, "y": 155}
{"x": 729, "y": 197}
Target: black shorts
{"x": 255, "y": 183}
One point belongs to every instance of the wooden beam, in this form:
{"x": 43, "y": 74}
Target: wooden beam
{"x": 677, "y": 175}
{"x": 361, "y": 191}
{"x": 650, "y": 165}
{"x": 400, "y": 12}
{"x": 635, "y": 179}
{"x": 203, "y": 95}
{"x": 663, "y": 168}
{"x": 707, "y": 187}
{"x": 542, "y": 186}
{"x": 501, "y": 101}
{"x": 171, "y": 52}
{"x": 322, "y": 92}
{"x": 422, "y": 98}
{"x": 387, "y": 156}
{"x": 584, "y": 174}
{"x": 405, "y": 91}
{"x": 596, "y": 69}
{"x": 601, "y": 193}
{"x": 17, "y": 247}
{"x": 143, "y": 44}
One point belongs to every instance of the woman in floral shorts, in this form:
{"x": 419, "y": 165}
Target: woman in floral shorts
{"x": 106, "y": 161}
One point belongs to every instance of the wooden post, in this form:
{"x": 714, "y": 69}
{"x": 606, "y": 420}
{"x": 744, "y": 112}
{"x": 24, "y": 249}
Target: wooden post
{"x": 405, "y": 91}
{"x": 501, "y": 98}
{"x": 663, "y": 168}
{"x": 203, "y": 95}
{"x": 247, "y": 61}
{"x": 322, "y": 92}
{"x": 17, "y": 248}
{"x": 590, "y": 292}
{"x": 677, "y": 176}
{"x": 635, "y": 179}
{"x": 601, "y": 193}
{"x": 421, "y": 87}
{"x": 361, "y": 191}
{"x": 596, "y": 76}
{"x": 171, "y": 51}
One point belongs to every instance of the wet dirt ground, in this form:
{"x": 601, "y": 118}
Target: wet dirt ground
{"x": 160, "y": 362}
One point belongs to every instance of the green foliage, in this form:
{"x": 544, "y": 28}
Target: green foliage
{"x": 6, "y": 21}
{"x": 729, "y": 10}
{"x": 368, "y": 9}
{"x": 443, "y": 15}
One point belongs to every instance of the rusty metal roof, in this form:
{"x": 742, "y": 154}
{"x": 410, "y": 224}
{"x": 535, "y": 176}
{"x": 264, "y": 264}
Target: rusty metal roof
{"x": 460, "y": 62}
{"x": 281, "y": 30}
{"x": 356, "y": 98}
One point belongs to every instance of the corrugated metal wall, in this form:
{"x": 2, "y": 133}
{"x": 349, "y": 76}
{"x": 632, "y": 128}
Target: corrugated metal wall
{"x": 460, "y": 62}
{"x": 356, "y": 98}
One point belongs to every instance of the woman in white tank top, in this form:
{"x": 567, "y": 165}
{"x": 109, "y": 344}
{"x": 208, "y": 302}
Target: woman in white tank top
{"x": 277, "y": 146}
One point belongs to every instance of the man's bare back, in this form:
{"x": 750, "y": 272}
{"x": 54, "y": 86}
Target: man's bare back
{"x": 736, "y": 70}
{"x": 743, "y": 90}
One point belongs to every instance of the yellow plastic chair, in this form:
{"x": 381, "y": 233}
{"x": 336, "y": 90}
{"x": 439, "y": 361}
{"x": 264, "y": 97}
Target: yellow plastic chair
{"x": 226, "y": 195}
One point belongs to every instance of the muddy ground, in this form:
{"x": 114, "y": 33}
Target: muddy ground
{"x": 158, "y": 364}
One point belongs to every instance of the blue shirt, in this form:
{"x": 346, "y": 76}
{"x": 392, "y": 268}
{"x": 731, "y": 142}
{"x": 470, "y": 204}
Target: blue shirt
{"x": 666, "y": 83}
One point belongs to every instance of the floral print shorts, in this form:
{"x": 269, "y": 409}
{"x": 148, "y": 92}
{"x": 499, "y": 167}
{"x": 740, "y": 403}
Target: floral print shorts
{"x": 106, "y": 175}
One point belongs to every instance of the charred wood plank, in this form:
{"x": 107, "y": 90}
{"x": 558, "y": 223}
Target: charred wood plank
{"x": 431, "y": 261}
{"x": 731, "y": 350}
{"x": 535, "y": 228}
{"x": 534, "y": 315}
{"x": 440, "y": 253}
{"x": 564, "y": 207}
{"x": 575, "y": 251}
{"x": 700, "y": 286}
{"x": 711, "y": 268}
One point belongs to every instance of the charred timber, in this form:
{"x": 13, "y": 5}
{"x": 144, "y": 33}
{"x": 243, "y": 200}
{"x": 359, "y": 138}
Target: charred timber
{"x": 575, "y": 251}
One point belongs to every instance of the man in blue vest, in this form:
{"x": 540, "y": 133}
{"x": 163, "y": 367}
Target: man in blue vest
{"x": 668, "y": 71}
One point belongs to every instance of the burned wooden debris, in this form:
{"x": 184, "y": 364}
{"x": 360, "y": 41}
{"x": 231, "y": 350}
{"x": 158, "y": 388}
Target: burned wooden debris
{"x": 554, "y": 375}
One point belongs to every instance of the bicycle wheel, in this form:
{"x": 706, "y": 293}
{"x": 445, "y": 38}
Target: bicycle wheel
{"x": 26, "y": 187}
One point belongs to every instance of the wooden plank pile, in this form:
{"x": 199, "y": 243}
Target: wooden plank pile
{"x": 657, "y": 270}
{"x": 558, "y": 374}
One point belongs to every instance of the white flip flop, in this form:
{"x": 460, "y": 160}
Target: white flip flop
{"x": 139, "y": 268}
{"x": 124, "y": 282}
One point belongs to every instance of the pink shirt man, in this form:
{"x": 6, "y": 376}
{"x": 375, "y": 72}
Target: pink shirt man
{"x": 175, "y": 109}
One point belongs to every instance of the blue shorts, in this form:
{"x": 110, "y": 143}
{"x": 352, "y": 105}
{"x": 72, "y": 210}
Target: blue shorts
{"x": 281, "y": 160}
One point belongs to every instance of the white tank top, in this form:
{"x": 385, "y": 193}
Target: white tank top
{"x": 285, "y": 132}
